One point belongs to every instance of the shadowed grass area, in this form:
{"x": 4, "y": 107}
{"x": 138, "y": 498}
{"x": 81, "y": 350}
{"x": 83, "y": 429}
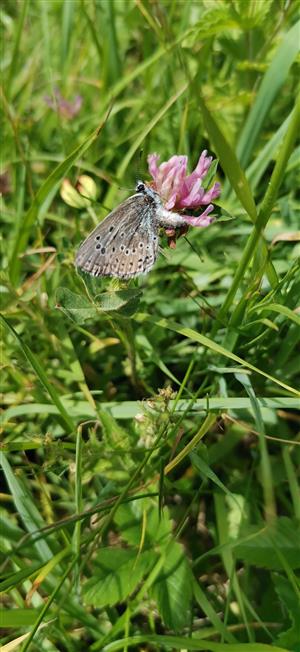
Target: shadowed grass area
{"x": 150, "y": 430}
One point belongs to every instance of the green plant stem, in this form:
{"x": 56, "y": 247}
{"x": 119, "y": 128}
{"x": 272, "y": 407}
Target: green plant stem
{"x": 47, "y": 605}
{"x": 265, "y": 211}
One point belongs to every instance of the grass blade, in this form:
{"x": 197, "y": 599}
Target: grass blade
{"x": 42, "y": 376}
{"x": 213, "y": 346}
{"x": 47, "y": 190}
{"x": 270, "y": 86}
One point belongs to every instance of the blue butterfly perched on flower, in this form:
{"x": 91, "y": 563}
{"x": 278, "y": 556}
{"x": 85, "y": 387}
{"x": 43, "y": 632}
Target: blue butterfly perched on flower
{"x": 125, "y": 243}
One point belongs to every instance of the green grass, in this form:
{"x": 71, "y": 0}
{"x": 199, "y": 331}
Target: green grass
{"x": 150, "y": 430}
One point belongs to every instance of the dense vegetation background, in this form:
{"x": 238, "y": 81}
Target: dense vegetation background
{"x": 150, "y": 439}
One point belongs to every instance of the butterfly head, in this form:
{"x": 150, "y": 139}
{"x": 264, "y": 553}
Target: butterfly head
{"x": 140, "y": 187}
{"x": 143, "y": 189}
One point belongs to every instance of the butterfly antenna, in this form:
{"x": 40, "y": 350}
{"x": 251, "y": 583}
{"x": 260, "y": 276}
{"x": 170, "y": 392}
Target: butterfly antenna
{"x": 139, "y": 173}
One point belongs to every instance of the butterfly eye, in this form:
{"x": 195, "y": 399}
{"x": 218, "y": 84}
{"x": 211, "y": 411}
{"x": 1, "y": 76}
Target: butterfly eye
{"x": 140, "y": 187}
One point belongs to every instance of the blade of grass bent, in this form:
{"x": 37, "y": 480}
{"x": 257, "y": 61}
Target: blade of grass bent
{"x": 42, "y": 376}
{"x": 213, "y": 346}
{"x": 26, "y": 508}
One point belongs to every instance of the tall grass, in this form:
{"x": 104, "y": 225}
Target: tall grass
{"x": 150, "y": 437}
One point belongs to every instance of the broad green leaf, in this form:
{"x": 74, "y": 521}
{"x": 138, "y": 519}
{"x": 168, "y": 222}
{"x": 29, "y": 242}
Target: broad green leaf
{"x": 290, "y": 605}
{"x": 124, "y": 301}
{"x": 173, "y": 589}
{"x": 117, "y": 572}
{"x": 133, "y": 518}
{"x": 79, "y": 308}
{"x": 261, "y": 548}
{"x": 75, "y": 306}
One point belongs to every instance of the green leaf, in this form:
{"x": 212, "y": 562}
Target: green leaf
{"x": 129, "y": 409}
{"x": 116, "y": 574}
{"x": 129, "y": 519}
{"x": 26, "y": 507}
{"x": 19, "y": 576}
{"x": 281, "y": 310}
{"x": 75, "y": 306}
{"x": 172, "y": 590}
{"x": 79, "y": 308}
{"x": 207, "y": 472}
{"x": 207, "y": 608}
{"x": 290, "y": 605}
{"x": 229, "y": 162}
{"x": 187, "y": 643}
{"x": 17, "y": 617}
{"x": 261, "y": 548}
{"x": 124, "y": 301}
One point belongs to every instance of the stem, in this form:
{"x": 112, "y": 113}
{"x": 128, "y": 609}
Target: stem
{"x": 265, "y": 210}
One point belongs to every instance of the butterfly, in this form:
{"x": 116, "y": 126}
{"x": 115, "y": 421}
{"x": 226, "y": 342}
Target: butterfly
{"x": 126, "y": 243}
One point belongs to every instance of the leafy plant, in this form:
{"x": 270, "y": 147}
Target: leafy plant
{"x": 150, "y": 445}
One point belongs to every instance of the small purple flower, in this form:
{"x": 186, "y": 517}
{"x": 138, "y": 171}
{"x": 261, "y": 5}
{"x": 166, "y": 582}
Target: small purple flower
{"x": 65, "y": 109}
{"x": 180, "y": 191}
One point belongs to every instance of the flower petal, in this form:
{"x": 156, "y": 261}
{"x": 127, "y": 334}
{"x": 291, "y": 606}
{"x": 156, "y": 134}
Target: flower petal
{"x": 200, "y": 220}
{"x": 212, "y": 193}
{"x": 152, "y": 165}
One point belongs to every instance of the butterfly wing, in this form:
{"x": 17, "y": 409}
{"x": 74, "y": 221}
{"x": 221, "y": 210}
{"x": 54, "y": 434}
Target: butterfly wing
{"x": 125, "y": 243}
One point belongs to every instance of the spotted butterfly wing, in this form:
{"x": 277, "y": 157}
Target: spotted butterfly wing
{"x": 125, "y": 243}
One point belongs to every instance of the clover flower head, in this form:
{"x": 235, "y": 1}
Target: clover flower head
{"x": 63, "y": 107}
{"x": 180, "y": 191}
